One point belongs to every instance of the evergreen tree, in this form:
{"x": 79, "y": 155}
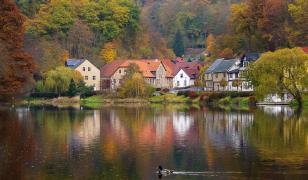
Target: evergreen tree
{"x": 178, "y": 44}
{"x": 72, "y": 89}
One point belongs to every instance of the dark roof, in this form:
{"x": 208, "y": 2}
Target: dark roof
{"x": 192, "y": 69}
{"x": 221, "y": 66}
{"x": 74, "y": 63}
{"x": 250, "y": 56}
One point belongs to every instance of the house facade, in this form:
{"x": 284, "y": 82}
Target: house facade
{"x": 90, "y": 73}
{"x": 154, "y": 72}
{"x": 185, "y": 73}
{"x": 228, "y": 75}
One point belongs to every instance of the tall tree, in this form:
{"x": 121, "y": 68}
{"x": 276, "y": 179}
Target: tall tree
{"x": 178, "y": 45}
{"x": 299, "y": 28}
{"x": 280, "y": 71}
{"x": 16, "y": 65}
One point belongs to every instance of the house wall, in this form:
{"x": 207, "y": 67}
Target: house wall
{"x": 90, "y": 74}
{"x": 115, "y": 80}
{"x": 181, "y": 79}
{"x": 161, "y": 79}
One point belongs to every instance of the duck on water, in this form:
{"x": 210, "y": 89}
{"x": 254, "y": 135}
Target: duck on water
{"x": 162, "y": 171}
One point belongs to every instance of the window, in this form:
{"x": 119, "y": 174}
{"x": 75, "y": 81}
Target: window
{"x": 114, "y": 81}
{"x": 230, "y": 75}
{"x": 84, "y": 68}
{"x": 181, "y": 75}
{"x": 236, "y": 75}
{"x": 89, "y": 68}
{"x": 185, "y": 83}
{"x": 216, "y": 75}
{"x": 178, "y": 83}
{"x": 86, "y": 78}
{"x": 94, "y": 77}
{"x": 224, "y": 75}
{"x": 120, "y": 71}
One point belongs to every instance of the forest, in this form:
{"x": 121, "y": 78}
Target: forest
{"x": 44, "y": 33}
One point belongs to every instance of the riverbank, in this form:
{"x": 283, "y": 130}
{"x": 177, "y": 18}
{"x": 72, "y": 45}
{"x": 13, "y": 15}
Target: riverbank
{"x": 166, "y": 98}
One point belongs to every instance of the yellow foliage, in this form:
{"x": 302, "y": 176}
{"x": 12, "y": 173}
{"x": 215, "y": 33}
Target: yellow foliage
{"x": 108, "y": 53}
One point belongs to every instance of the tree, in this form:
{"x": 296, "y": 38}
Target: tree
{"x": 223, "y": 83}
{"x": 136, "y": 87}
{"x": 178, "y": 45}
{"x": 227, "y": 53}
{"x": 80, "y": 39}
{"x": 299, "y": 27}
{"x": 58, "y": 80}
{"x": 261, "y": 23}
{"x": 16, "y": 65}
{"x": 108, "y": 53}
{"x": 53, "y": 19}
{"x": 211, "y": 47}
{"x": 72, "y": 89}
{"x": 236, "y": 83}
{"x": 284, "y": 70}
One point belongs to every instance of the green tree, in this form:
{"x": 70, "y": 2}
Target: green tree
{"x": 72, "y": 89}
{"x": 280, "y": 71}
{"x": 299, "y": 27}
{"x": 178, "y": 45}
{"x": 58, "y": 80}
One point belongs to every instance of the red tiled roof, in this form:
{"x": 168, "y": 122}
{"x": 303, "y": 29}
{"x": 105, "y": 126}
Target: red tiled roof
{"x": 305, "y": 49}
{"x": 147, "y": 67}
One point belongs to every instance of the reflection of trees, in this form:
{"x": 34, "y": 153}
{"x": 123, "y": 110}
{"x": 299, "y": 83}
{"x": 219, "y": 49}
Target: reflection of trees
{"x": 17, "y": 146}
{"x": 282, "y": 140}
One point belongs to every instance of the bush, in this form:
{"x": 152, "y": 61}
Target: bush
{"x": 192, "y": 95}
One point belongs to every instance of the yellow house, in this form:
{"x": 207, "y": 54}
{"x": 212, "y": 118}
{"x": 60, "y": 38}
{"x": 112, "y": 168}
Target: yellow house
{"x": 90, "y": 73}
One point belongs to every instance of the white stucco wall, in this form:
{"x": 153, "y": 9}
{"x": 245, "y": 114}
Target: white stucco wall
{"x": 90, "y": 73}
{"x": 180, "y": 78}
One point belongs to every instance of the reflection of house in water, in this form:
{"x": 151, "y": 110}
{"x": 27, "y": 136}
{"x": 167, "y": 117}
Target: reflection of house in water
{"x": 228, "y": 128}
{"x": 88, "y": 130}
{"x": 160, "y": 124}
{"x": 182, "y": 122}
{"x": 285, "y": 111}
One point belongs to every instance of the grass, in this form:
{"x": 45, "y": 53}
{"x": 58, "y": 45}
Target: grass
{"x": 169, "y": 98}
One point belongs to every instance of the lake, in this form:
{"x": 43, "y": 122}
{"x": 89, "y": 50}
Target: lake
{"x": 130, "y": 142}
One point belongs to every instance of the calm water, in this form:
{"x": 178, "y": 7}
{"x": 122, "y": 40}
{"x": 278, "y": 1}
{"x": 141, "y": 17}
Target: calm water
{"x": 129, "y": 142}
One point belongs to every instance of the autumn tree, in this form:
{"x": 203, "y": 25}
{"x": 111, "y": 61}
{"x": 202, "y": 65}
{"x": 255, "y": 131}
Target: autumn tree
{"x": 223, "y": 83}
{"x": 16, "y": 65}
{"x": 80, "y": 40}
{"x": 108, "y": 52}
{"x": 261, "y": 23}
{"x": 211, "y": 47}
{"x": 227, "y": 53}
{"x": 299, "y": 27}
{"x": 284, "y": 70}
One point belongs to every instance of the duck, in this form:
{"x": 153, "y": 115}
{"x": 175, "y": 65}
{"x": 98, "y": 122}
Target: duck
{"x": 163, "y": 171}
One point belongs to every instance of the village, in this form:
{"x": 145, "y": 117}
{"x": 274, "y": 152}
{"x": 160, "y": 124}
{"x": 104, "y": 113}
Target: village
{"x": 177, "y": 75}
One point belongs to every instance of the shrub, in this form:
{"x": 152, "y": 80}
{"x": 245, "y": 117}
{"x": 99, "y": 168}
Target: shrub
{"x": 192, "y": 94}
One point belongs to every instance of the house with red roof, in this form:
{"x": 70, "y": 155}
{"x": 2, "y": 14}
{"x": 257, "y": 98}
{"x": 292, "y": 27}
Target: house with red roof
{"x": 185, "y": 73}
{"x": 157, "y": 73}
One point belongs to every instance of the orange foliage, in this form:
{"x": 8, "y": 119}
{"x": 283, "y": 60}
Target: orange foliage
{"x": 16, "y": 64}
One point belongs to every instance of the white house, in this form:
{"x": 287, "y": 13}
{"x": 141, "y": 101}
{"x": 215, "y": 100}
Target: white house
{"x": 90, "y": 73}
{"x": 182, "y": 79}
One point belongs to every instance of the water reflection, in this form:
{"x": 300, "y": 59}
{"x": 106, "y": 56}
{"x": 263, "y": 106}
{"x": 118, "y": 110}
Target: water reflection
{"x": 128, "y": 143}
